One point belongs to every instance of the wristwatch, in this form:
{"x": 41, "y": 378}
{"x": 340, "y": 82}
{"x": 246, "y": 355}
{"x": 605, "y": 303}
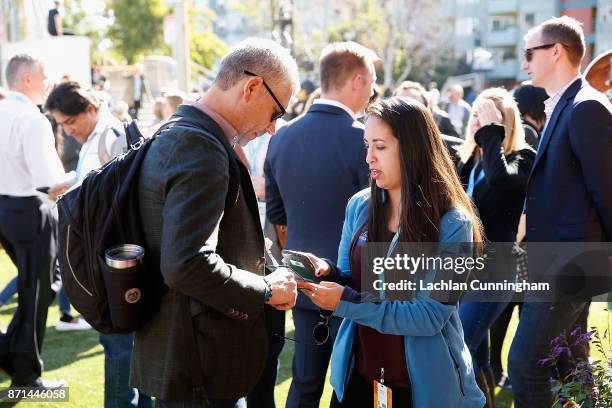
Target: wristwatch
{"x": 268, "y": 292}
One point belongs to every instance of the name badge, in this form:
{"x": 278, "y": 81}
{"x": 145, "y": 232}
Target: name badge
{"x": 382, "y": 395}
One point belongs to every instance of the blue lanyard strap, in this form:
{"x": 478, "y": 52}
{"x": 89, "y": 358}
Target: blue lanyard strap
{"x": 87, "y": 146}
{"x": 472, "y": 183}
{"x": 392, "y": 246}
{"x": 253, "y": 150}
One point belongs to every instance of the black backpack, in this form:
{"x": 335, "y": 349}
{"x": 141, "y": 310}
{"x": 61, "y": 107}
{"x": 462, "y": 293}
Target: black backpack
{"x": 104, "y": 212}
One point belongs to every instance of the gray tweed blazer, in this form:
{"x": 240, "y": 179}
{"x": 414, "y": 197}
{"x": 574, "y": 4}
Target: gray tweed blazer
{"x": 211, "y": 255}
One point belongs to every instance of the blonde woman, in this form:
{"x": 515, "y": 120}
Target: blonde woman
{"x": 494, "y": 166}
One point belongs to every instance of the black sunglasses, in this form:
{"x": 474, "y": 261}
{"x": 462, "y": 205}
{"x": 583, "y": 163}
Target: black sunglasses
{"x": 276, "y": 115}
{"x": 529, "y": 51}
{"x": 320, "y": 333}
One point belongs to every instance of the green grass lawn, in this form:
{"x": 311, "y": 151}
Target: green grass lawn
{"x": 77, "y": 357}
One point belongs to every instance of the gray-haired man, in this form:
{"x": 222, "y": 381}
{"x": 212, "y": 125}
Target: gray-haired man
{"x": 27, "y": 223}
{"x": 207, "y": 252}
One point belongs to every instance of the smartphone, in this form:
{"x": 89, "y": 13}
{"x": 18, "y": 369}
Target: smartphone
{"x": 301, "y": 265}
{"x": 44, "y": 190}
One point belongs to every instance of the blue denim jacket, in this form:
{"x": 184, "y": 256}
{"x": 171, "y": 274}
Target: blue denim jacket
{"x": 438, "y": 361}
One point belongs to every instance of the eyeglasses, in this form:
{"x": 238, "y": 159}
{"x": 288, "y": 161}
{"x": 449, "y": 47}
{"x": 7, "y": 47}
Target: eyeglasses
{"x": 529, "y": 51}
{"x": 320, "y": 333}
{"x": 276, "y": 115}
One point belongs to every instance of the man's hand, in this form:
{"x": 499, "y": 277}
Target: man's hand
{"x": 259, "y": 184}
{"x": 59, "y": 189}
{"x": 284, "y": 289}
{"x": 281, "y": 234}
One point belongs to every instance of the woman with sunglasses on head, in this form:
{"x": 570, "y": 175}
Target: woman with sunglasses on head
{"x": 494, "y": 167}
{"x": 415, "y": 347}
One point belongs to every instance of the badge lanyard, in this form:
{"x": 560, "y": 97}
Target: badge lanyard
{"x": 382, "y": 393}
{"x": 392, "y": 246}
{"x": 80, "y": 162}
{"x": 472, "y": 183}
{"x": 254, "y": 152}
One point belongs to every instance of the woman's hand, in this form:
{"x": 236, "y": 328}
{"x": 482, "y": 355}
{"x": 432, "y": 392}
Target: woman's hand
{"x": 326, "y": 295}
{"x": 322, "y": 268}
{"x": 487, "y": 113}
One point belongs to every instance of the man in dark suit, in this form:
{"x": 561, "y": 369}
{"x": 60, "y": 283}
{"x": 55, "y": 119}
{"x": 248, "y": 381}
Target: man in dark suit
{"x": 314, "y": 165}
{"x": 569, "y": 196}
{"x": 210, "y": 245}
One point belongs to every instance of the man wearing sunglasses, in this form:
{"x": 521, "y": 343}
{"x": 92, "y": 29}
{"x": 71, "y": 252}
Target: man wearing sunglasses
{"x": 200, "y": 217}
{"x": 314, "y": 165}
{"x": 568, "y": 199}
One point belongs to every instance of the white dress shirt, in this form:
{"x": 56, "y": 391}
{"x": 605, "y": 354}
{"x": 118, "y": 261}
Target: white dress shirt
{"x": 28, "y": 158}
{"x": 338, "y": 104}
{"x": 89, "y": 156}
{"x": 551, "y": 103}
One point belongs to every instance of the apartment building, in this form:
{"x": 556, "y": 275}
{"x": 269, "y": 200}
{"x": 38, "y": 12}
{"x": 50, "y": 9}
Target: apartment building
{"x": 495, "y": 29}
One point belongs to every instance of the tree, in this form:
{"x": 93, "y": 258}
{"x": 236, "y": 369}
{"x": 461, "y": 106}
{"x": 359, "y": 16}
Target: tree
{"x": 137, "y": 28}
{"x": 404, "y": 34}
{"x": 93, "y": 24}
{"x": 205, "y": 47}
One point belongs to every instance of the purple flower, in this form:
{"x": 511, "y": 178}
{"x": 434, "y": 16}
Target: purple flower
{"x": 558, "y": 350}
{"x": 557, "y": 340}
{"x": 575, "y": 332}
{"x": 587, "y": 335}
{"x": 577, "y": 342}
{"x": 593, "y": 395}
{"x": 610, "y": 360}
{"x": 544, "y": 361}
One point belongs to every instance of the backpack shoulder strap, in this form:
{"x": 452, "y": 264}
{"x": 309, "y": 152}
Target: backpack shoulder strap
{"x": 234, "y": 173}
{"x": 103, "y": 154}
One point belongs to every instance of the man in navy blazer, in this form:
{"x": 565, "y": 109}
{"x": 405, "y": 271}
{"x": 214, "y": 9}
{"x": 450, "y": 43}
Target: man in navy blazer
{"x": 314, "y": 165}
{"x": 569, "y": 195}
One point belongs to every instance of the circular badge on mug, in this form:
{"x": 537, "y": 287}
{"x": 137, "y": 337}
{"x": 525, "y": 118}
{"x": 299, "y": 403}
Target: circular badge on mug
{"x": 132, "y": 295}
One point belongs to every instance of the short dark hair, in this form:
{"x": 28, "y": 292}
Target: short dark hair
{"x": 530, "y": 100}
{"x": 70, "y": 99}
{"x": 339, "y": 60}
{"x": 568, "y": 32}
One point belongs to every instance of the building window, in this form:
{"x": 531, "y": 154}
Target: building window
{"x": 466, "y": 26}
{"x": 529, "y": 20}
{"x": 500, "y": 23}
{"x": 606, "y": 13}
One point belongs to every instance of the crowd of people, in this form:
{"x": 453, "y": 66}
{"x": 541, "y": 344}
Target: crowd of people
{"x": 347, "y": 168}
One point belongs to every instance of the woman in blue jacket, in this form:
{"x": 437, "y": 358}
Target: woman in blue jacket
{"x": 416, "y": 346}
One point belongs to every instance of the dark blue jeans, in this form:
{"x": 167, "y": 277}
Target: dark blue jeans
{"x": 476, "y": 319}
{"x": 539, "y": 324}
{"x": 117, "y": 356}
{"x": 309, "y": 361}
{"x": 11, "y": 288}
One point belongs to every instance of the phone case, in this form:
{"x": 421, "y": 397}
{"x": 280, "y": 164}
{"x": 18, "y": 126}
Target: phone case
{"x": 300, "y": 264}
